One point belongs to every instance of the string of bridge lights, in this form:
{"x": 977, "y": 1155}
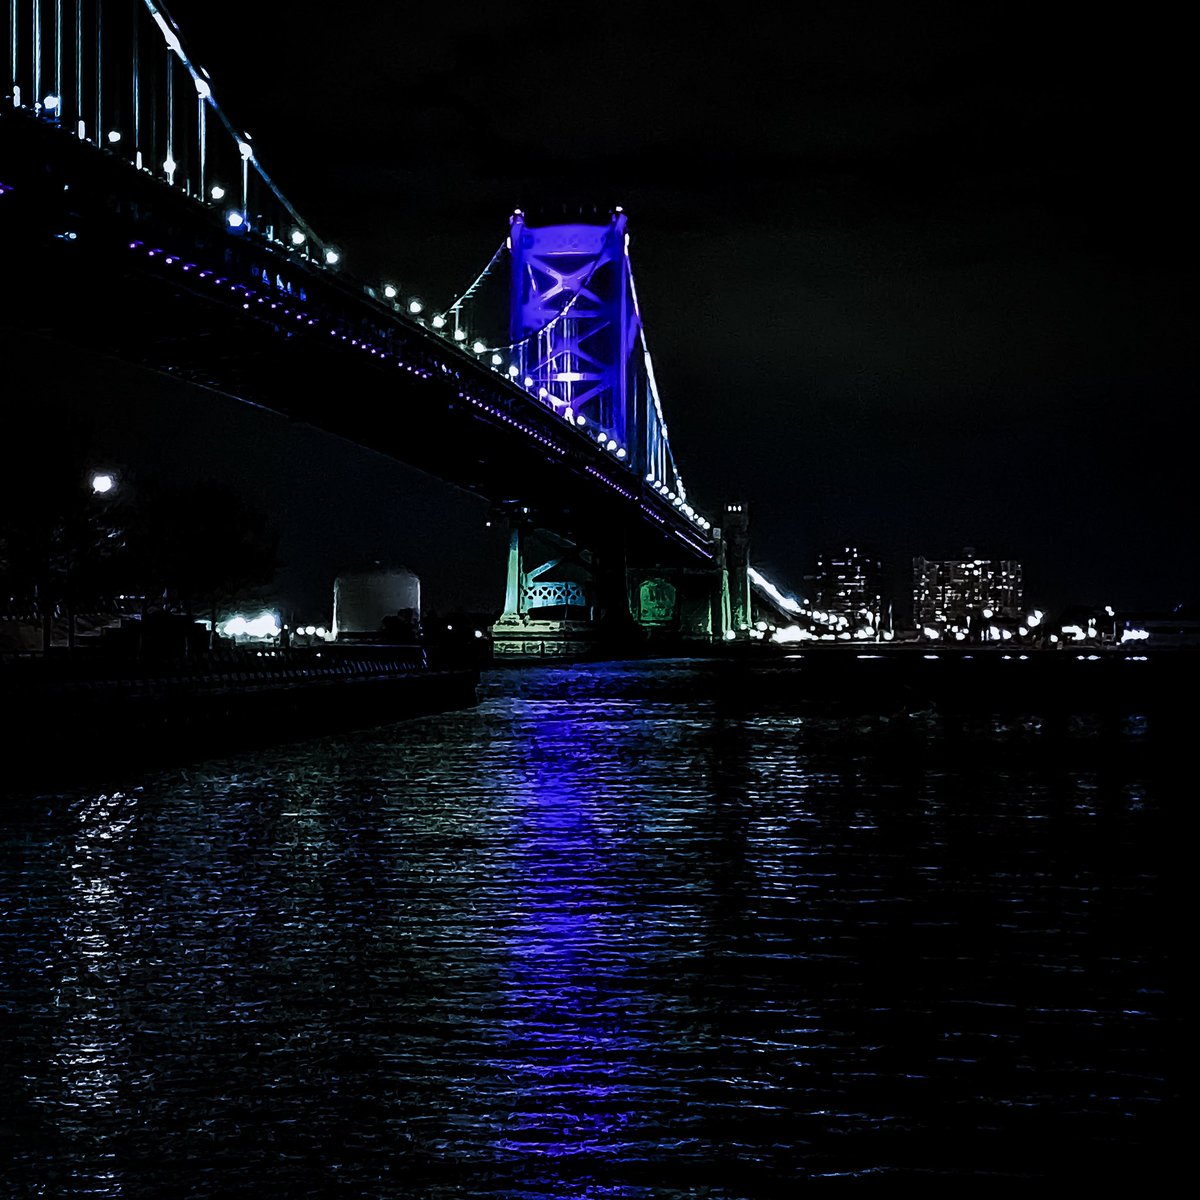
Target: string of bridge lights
{"x": 237, "y": 219}
{"x": 51, "y": 106}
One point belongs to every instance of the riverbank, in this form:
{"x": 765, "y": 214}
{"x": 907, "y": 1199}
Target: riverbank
{"x": 974, "y": 679}
{"x": 74, "y": 714}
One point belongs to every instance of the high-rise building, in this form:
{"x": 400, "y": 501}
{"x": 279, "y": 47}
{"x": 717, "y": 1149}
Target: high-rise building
{"x": 966, "y": 593}
{"x": 848, "y": 586}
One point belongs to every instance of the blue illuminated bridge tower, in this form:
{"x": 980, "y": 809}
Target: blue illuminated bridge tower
{"x": 139, "y": 221}
{"x": 576, "y": 329}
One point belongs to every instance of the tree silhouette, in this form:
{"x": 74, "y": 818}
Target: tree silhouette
{"x": 202, "y": 543}
{"x": 59, "y": 539}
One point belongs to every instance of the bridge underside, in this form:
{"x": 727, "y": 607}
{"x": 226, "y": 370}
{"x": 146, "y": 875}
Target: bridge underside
{"x": 113, "y": 260}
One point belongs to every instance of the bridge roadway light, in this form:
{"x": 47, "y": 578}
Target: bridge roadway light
{"x": 114, "y": 136}
{"x": 513, "y": 372}
{"x": 332, "y": 257}
{"x": 439, "y": 322}
{"x": 496, "y": 360}
{"x": 460, "y": 335}
{"x": 235, "y": 219}
{"x": 479, "y": 347}
{"x": 298, "y": 238}
{"x": 103, "y": 482}
{"x": 389, "y": 291}
{"x": 218, "y": 192}
{"x": 51, "y": 104}
{"x": 415, "y": 306}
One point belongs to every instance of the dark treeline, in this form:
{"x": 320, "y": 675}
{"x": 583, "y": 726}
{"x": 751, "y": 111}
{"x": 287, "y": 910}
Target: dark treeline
{"x": 78, "y": 531}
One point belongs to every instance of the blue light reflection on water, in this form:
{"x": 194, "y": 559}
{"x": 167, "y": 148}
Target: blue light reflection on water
{"x": 612, "y": 935}
{"x": 570, "y": 1016}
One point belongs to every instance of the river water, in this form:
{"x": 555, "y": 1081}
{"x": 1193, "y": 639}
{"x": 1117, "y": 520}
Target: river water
{"x": 608, "y": 935}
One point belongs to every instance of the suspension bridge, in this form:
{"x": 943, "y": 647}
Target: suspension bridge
{"x": 121, "y": 173}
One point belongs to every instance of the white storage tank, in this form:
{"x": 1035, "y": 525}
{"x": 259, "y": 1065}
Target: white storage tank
{"x": 379, "y": 602}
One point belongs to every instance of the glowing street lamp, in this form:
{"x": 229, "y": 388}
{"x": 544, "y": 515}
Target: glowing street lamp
{"x": 389, "y": 291}
{"x": 415, "y": 306}
{"x": 103, "y": 482}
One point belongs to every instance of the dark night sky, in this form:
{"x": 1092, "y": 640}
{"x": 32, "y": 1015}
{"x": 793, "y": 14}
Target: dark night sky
{"x": 910, "y": 280}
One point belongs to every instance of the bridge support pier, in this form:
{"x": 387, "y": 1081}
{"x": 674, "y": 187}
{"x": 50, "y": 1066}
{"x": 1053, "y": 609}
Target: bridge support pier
{"x": 735, "y": 546}
{"x": 549, "y": 608}
{"x": 678, "y": 607}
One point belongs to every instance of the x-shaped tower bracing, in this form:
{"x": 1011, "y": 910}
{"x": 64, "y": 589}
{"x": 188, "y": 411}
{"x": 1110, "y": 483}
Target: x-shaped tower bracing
{"x": 575, "y": 313}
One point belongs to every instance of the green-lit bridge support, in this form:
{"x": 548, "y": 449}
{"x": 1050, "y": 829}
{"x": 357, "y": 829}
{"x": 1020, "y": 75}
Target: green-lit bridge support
{"x": 574, "y": 602}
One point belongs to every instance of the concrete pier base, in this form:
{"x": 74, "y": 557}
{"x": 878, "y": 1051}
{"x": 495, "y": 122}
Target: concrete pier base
{"x": 520, "y": 638}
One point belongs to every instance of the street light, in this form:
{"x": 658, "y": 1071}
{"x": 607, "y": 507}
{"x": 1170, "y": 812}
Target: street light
{"x": 103, "y": 482}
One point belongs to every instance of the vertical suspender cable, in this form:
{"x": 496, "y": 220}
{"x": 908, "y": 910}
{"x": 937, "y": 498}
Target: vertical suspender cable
{"x": 37, "y": 52}
{"x": 99, "y": 67}
{"x": 137, "y": 108}
{"x": 58, "y": 36}
{"x": 169, "y": 162}
{"x": 79, "y": 62}
{"x": 13, "y": 10}
{"x": 200, "y": 106}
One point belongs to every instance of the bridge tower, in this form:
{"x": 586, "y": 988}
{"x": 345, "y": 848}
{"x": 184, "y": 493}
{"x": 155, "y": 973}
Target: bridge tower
{"x": 576, "y": 326}
{"x": 574, "y": 320}
{"x": 735, "y": 538}
{"x": 574, "y": 314}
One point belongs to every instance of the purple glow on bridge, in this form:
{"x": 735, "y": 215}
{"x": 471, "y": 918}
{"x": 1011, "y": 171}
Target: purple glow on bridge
{"x": 571, "y": 299}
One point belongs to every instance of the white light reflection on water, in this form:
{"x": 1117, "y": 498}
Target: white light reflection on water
{"x": 91, "y": 1043}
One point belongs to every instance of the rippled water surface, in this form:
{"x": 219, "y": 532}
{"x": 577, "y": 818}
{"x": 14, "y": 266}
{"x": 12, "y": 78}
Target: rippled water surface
{"x": 608, "y": 935}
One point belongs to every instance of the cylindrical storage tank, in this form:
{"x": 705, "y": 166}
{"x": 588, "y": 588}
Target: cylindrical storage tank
{"x": 381, "y": 602}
